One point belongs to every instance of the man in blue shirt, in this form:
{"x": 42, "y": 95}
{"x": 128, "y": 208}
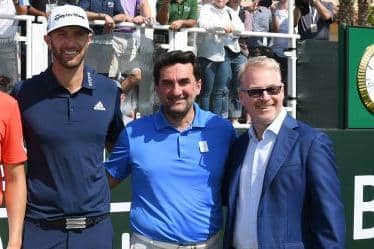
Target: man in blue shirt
{"x": 176, "y": 159}
{"x": 101, "y": 52}
{"x": 69, "y": 114}
{"x": 110, "y": 11}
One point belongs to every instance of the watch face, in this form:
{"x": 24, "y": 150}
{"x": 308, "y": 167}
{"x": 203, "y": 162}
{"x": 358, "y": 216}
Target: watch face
{"x": 365, "y": 78}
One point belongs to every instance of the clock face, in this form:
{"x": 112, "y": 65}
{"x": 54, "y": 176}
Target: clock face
{"x": 365, "y": 78}
{"x": 370, "y": 78}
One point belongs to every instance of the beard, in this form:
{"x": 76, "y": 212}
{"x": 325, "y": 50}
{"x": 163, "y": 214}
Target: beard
{"x": 177, "y": 113}
{"x": 73, "y": 63}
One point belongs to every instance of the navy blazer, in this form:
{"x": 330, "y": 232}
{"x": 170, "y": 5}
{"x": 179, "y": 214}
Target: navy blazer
{"x": 301, "y": 204}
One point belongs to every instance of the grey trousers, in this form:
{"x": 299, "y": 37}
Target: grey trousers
{"x": 141, "y": 242}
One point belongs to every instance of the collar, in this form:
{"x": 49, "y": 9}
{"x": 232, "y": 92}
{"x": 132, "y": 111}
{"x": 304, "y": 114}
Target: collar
{"x": 274, "y": 127}
{"x": 161, "y": 121}
{"x": 52, "y": 83}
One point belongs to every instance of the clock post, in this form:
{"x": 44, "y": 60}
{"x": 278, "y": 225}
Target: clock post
{"x": 354, "y": 141}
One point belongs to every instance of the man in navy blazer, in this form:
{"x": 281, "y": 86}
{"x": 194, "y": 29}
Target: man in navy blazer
{"x": 281, "y": 186}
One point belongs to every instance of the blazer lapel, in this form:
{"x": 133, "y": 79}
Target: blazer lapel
{"x": 237, "y": 158}
{"x": 285, "y": 141}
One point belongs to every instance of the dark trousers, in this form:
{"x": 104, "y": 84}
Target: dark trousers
{"x": 97, "y": 236}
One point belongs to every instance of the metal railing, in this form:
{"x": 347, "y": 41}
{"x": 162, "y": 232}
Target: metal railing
{"x": 37, "y": 61}
{"x": 37, "y": 51}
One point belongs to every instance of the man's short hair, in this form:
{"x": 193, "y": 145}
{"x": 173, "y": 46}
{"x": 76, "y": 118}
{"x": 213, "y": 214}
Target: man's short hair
{"x": 172, "y": 58}
{"x": 259, "y": 61}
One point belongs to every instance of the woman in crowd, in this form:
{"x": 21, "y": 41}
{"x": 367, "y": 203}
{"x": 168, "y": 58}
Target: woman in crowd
{"x": 215, "y": 50}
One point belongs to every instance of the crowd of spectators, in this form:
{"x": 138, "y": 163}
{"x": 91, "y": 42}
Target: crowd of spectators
{"x": 116, "y": 50}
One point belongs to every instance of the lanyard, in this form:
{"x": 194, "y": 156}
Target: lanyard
{"x": 314, "y": 17}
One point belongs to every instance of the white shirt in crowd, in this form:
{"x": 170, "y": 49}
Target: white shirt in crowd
{"x": 251, "y": 180}
{"x": 280, "y": 44}
{"x": 210, "y": 45}
{"x": 8, "y": 27}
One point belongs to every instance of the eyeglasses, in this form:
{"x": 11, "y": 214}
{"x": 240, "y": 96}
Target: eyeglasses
{"x": 259, "y": 92}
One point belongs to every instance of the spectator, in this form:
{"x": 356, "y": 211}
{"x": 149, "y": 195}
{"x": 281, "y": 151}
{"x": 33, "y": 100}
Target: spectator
{"x": 313, "y": 18}
{"x": 236, "y": 60}
{"x": 132, "y": 52}
{"x": 262, "y": 22}
{"x": 69, "y": 114}
{"x": 216, "y": 51}
{"x": 178, "y": 14}
{"x": 21, "y": 9}
{"x": 110, "y": 11}
{"x": 280, "y": 45}
{"x": 138, "y": 11}
{"x": 130, "y": 94}
{"x": 8, "y": 45}
{"x": 46, "y": 6}
{"x": 176, "y": 187}
{"x": 30, "y": 9}
{"x": 12, "y": 158}
{"x": 281, "y": 187}
{"x": 101, "y": 51}
{"x": 152, "y": 4}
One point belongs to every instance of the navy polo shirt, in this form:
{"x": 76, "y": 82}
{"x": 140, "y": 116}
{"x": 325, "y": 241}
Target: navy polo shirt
{"x": 65, "y": 136}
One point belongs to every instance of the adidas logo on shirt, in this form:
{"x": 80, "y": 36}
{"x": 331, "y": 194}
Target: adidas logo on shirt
{"x": 99, "y": 106}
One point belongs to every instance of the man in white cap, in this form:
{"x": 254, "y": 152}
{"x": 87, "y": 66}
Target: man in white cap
{"x": 69, "y": 115}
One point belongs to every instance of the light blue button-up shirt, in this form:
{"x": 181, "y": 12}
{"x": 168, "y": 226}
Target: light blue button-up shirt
{"x": 251, "y": 179}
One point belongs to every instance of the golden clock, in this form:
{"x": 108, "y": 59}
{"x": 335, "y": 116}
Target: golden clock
{"x": 365, "y": 78}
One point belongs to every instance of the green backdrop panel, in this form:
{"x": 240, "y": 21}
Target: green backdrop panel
{"x": 358, "y": 38}
{"x": 353, "y": 148}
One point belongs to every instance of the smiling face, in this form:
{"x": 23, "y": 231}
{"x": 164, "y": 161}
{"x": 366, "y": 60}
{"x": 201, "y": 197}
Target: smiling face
{"x": 68, "y": 45}
{"x": 177, "y": 89}
{"x": 265, "y": 108}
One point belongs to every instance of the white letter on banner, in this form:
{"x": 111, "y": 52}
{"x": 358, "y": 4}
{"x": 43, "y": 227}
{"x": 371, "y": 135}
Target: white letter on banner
{"x": 360, "y": 207}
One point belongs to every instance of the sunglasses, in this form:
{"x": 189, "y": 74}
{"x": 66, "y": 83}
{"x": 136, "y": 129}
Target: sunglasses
{"x": 259, "y": 92}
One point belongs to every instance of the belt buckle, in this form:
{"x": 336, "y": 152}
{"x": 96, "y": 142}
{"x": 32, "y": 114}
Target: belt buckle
{"x": 75, "y": 223}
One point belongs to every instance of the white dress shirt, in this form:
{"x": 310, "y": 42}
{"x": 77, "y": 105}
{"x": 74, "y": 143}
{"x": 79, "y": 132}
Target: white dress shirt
{"x": 251, "y": 180}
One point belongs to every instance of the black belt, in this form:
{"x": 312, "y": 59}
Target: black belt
{"x": 69, "y": 223}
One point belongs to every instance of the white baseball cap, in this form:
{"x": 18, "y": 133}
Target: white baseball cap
{"x": 67, "y": 15}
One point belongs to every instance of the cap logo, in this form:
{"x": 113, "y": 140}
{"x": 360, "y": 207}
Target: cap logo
{"x": 67, "y": 15}
{"x": 59, "y": 16}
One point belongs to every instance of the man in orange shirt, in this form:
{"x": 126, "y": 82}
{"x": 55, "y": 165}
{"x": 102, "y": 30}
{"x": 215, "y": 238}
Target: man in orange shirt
{"x": 12, "y": 157}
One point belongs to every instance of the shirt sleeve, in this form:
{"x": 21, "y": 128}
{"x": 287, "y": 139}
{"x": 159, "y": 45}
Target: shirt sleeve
{"x": 330, "y": 7}
{"x": 118, "y": 165}
{"x": 116, "y": 125}
{"x": 118, "y": 9}
{"x": 158, "y": 4}
{"x": 238, "y": 24}
{"x": 84, "y": 4}
{"x": 13, "y": 150}
{"x": 24, "y": 2}
{"x": 193, "y": 12}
